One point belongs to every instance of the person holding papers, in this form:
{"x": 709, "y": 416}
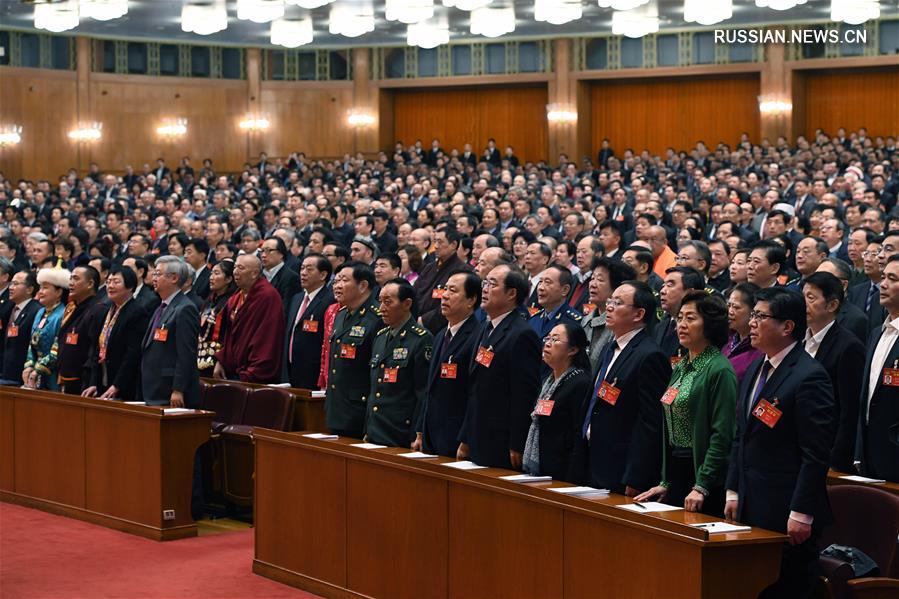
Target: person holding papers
{"x": 503, "y": 375}
{"x": 786, "y": 423}
{"x": 399, "y": 369}
{"x": 559, "y": 412}
{"x": 699, "y": 411}
{"x": 621, "y": 434}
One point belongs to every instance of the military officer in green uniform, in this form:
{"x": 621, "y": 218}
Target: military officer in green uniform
{"x": 399, "y": 369}
{"x": 355, "y": 326}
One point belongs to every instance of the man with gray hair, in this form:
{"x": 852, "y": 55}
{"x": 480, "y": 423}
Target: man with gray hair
{"x": 169, "y": 375}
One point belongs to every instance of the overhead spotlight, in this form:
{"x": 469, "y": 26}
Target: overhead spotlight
{"x": 291, "y": 33}
{"x": 408, "y": 11}
{"x": 621, "y": 4}
{"x": 260, "y": 11}
{"x": 204, "y": 19}
{"x": 557, "y": 12}
{"x": 493, "y": 22}
{"x": 103, "y": 10}
{"x": 56, "y": 16}
{"x": 428, "y": 34}
{"x": 636, "y": 22}
{"x": 854, "y": 12}
{"x": 351, "y": 19}
{"x": 779, "y": 4}
{"x": 708, "y": 12}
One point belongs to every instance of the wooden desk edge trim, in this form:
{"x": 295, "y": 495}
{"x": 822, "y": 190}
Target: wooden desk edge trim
{"x": 102, "y": 404}
{"x": 136, "y": 528}
{"x": 304, "y": 394}
{"x": 301, "y": 581}
{"x": 834, "y": 478}
{"x": 661, "y": 527}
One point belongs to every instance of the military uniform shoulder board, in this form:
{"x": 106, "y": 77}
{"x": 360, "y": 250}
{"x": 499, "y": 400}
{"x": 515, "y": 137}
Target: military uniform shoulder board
{"x": 418, "y": 330}
{"x": 575, "y": 315}
{"x": 384, "y": 330}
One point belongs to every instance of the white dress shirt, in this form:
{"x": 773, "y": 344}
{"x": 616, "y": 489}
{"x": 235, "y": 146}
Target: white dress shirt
{"x": 878, "y": 360}
{"x": 813, "y": 342}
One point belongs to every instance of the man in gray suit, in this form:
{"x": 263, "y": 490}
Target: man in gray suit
{"x": 169, "y": 375}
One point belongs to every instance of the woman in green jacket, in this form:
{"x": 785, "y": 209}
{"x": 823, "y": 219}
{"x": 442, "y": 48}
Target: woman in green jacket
{"x": 699, "y": 411}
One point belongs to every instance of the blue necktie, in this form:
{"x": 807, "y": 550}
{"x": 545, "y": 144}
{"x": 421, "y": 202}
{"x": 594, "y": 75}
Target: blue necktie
{"x": 603, "y": 369}
{"x": 872, "y": 295}
{"x": 763, "y": 378}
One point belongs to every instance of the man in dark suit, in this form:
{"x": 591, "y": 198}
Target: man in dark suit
{"x": 866, "y": 296}
{"x": 850, "y": 317}
{"x": 876, "y": 452}
{"x": 622, "y": 432}
{"x": 144, "y": 294}
{"x": 285, "y": 281}
{"x": 195, "y": 254}
{"x": 841, "y": 355}
{"x": 7, "y": 270}
{"x": 503, "y": 376}
{"x": 433, "y": 277}
{"x": 79, "y": 330}
{"x": 786, "y": 421}
{"x": 305, "y": 324}
{"x": 678, "y": 281}
{"x": 169, "y": 375}
{"x": 17, "y": 326}
{"x": 437, "y": 431}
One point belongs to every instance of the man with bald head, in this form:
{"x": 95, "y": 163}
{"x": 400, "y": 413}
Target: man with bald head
{"x": 421, "y": 238}
{"x": 254, "y": 319}
{"x": 664, "y": 257}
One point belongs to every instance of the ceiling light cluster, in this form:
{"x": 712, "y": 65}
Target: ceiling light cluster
{"x": 426, "y": 27}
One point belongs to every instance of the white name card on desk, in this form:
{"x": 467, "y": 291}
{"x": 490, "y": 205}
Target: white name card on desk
{"x": 417, "y": 455}
{"x": 645, "y": 507}
{"x": 279, "y": 385}
{"x": 578, "y": 491}
{"x": 526, "y": 478}
{"x": 721, "y": 527}
{"x": 368, "y": 446}
{"x": 318, "y": 393}
{"x": 464, "y": 465}
{"x": 178, "y": 411}
{"x": 322, "y": 436}
{"x": 134, "y": 403}
{"x": 863, "y": 479}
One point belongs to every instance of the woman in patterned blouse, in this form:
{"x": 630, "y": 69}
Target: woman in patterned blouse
{"x": 40, "y": 367}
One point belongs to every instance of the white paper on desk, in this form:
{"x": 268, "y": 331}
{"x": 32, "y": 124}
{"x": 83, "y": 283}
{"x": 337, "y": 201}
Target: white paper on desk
{"x": 649, "y": 506}
{"x": 464, "y": 465}
{"x": 721, "y": 527}
{"x": 526, "y": 478}
{"x": 580, "y": 491}
{"x": 417, "y": 455}
{"x": 134, "y": 403}
{"x": 368, "y": 446}
{"x": 279, "y": 385}
{"x": 318, "y": 393}
{"x": 320, "y": 436}
{"x": 863, "y": 479}
{"x": 177, "y": 410}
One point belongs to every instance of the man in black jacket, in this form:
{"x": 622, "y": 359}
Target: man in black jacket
{"x": 438, "y": 428}
{"x": 195, "y": 254}
{"x": 503, "y": 376}
{"x": 285, "y": 281}
{"x": 678, "y": 281}
{"x": 622, "y": 427}
{"x": 786, "y": 420}
{"x": 79, "y": 330}
{"x": 841, "y": 355}
{"x": 305, "y": 324}
{"x": 430, "y": 284}
{"x": 17, "y": 331}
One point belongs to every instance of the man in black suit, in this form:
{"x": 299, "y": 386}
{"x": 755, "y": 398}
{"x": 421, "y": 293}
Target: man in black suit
{"x": 17, "y": 326}
{"x": 383, "y": 238}
{"x": 786, "y": 421}
{"x": 7, "y": 270}
{"x": 195, "y": 254}
{"x": 144, "y": 294}
{"x": 622, "y": 432}
{"x": 866, "y": 296}
{"x": 169, "y": 375}
{"x": 430, "y": 284}
{"x": 678, "y": 281}
{"x": 850, "y": 317}
{"x": 305, "y": 324}
{"x": 437, "y": 431}
{"x": 116, "y": 355}
{"x": 503, "y": 376}
{"x": 877, "y": 451}
{"x": 285, "y": 281}
{"x": 841, "y": 355}
{"x": 491, "y": 153}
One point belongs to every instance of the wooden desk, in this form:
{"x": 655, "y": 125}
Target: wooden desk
{"x": 308, "y": 412}
{"x": 105, "y": 462}
{"x": 341, "y": 521}
{"x": 833, "y": 478}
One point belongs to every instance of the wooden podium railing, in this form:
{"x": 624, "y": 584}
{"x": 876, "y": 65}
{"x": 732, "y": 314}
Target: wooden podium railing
{"x": 125, "y": 466}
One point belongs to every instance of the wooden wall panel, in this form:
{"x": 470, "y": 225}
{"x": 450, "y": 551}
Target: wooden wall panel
{"x": 674, "y": 112}
{"x": 307, "y": 117}
{"x": 45, "y": 106}
{"x": 858, "y": 98}
{"x": 131, "y": 107}
{"x": 515, "y": 116}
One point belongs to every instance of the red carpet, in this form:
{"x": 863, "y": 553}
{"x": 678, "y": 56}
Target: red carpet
{"x": 47, "y": 556}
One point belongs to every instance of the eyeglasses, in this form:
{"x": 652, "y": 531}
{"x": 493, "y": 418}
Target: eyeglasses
{"x": 869, "y": 254}
{"x": 553, "y": 340}
{"x": 487, "y": 284}
{"x": 761, "y": 316}
{"x": 617, "y": 303}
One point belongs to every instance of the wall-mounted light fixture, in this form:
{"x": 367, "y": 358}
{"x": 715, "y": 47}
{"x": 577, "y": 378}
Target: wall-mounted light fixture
{"x": 254, "y": 123}
{"x": 774, "y": 106}
{"x": 561, "y": 114}
{"x": 172, "y": 128}
{"x": 360, "y": 118}
{"x": 10, "y": 135}
{"x": 87, "y": 132}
